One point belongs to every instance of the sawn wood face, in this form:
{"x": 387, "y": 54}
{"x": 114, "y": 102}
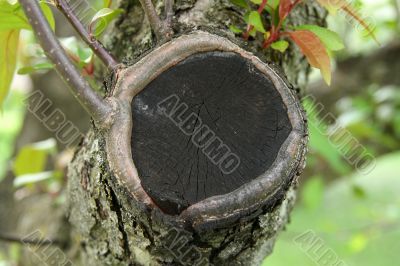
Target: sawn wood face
{"x": 205, "y": 127}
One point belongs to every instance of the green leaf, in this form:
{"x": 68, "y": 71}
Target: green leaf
{"x": 32, "y": 158}
{"x": 235, "y": 29}
{"x": 107, "y": 3}
{"x": 273, "y": 10}
{"x": 8, "y": 60}
{"x": 27, "y": 179}
{"x": 85, "y": 54}
{"x": 29, "y": 160}
{"x": 240, "y": 3}
{"x": 313, "y": 192}
{"x": 48, "y": 14}
{"x": 246, "y": 17}
{"x": 330, "y": 39}
{"x": 255, "y": 20}
{"x": 102, "y": 19}
{"x": 12, "y": 16}
{"x": 359, "y": 192}
{"x": 274, "y": 4}
{"x": 34, "y": 68}
{"x": 280, "y": 46}
{"x": 253, "y": 32}
{"x": 71, "y": 44}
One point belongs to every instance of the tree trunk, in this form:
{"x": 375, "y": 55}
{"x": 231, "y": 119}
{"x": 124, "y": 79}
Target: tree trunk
{"x": 114, "y": 229}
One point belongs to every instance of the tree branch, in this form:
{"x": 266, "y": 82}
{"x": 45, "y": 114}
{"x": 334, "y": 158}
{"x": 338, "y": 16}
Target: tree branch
{"x": 161, "y": 29}
{"x": 80, "y": 88}
{"x": 23, "y": 241}
{"x": 93, "y": 43}
{"x": 169, "y": 11}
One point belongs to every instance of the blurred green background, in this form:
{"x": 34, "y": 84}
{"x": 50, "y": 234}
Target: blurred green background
{"x": 344, "y": 216}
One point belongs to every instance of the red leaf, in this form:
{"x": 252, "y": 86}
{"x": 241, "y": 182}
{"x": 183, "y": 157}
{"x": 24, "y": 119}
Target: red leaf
{"x": 314, "y": 50}
{"x": 284, "y": 8}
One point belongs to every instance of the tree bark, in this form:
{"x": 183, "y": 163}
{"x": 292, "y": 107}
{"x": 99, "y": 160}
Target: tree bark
{"x": 113, "y": 229}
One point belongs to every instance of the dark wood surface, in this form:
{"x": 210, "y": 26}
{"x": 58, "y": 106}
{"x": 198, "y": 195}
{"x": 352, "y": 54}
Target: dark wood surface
{"x": 226, "y": 97}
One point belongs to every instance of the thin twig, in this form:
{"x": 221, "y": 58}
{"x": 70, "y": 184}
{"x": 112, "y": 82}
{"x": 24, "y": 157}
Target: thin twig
{"x": 24, "y": 241}
{"x": 169, "y": 12}
{"x": 80, "y": 88}
{"x": 93, "y": 43}
{"x": 161, "y": 30}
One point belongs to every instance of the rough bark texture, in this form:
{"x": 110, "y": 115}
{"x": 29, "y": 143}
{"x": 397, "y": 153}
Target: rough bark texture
{"x": 115, "y": 231}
